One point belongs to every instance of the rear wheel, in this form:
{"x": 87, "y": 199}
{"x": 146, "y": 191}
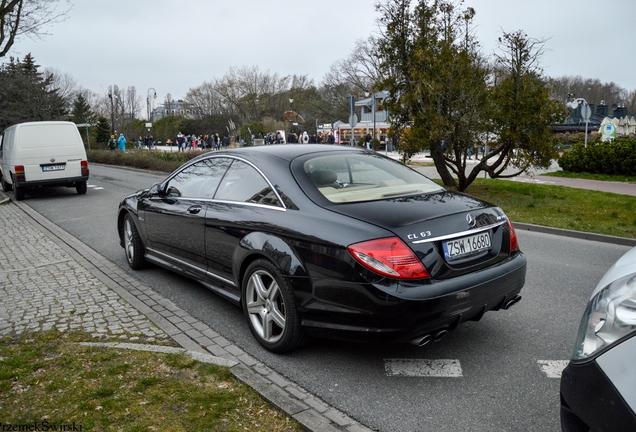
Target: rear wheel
{"x": 132, "y": 245}
{"x": 81, "y": 188}
{"x": 19, "y": 192}
{"x": 270, "y": 308}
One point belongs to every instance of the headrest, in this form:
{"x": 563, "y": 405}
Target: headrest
{"x": 322, "y": 177}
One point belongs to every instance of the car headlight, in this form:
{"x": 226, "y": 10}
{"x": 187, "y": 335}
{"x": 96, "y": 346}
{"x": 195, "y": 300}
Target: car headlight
{"x": 609, "y": 317}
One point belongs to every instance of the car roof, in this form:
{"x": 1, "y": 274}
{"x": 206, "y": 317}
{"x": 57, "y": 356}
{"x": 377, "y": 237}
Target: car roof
{"x": 289, "y": 151}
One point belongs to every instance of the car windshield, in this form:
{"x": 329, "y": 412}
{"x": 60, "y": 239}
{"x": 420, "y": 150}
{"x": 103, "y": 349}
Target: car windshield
{"x": 365, "y": 177}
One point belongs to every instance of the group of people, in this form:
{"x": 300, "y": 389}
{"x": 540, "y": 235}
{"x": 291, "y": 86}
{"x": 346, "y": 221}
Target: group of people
{"x": 117, "y": 143}
{"x": 192, "y": 142}
{"x": 301, "y": 138}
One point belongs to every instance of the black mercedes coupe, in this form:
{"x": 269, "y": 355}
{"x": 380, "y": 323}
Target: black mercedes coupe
{"x": 327, "y": 241}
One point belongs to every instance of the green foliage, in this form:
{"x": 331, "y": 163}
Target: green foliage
{"x": 613, "y": 158}
{"x": 27, "y": 95}
{"x": 442, "y": 95}
{"x": 167, "y": 128}
{"x": 257, "y": 129}
{"x": 102, "y": 132}
{"x": 154, "y": 160}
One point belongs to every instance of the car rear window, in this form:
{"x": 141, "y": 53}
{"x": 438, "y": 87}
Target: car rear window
{"x": 365, "y": 177}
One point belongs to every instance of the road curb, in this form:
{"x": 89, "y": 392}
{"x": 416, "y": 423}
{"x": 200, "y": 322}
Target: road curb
{"x": 622, "y": 241}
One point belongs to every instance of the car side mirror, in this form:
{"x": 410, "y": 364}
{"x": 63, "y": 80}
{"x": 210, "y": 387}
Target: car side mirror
{"x": 155, "y": 190}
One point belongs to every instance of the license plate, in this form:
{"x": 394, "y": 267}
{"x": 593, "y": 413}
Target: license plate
{"x": 58, "y": 167}
{"x": 465, "y": 246}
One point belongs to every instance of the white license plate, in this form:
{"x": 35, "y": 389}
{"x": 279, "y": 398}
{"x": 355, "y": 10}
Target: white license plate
{"x": 465, "y": 246}
{"x": 58, "y": 167}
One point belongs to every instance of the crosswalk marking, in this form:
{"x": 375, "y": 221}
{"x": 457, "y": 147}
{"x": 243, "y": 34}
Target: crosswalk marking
{"x": 423, "y": 368}
{"x": 553, "y": 368}
{"x": 451, "y": 368}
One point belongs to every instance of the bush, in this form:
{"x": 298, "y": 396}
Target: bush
{"x": 612, "y": 158}
{"x": 154, "y": 160}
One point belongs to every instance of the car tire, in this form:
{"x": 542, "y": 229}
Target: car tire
{"x": 5, "y": 186}
{"x": 19, "y": 192}
{"x": 133, "y": 246}
{"x": 270, "y": 308}
{"x": 81, "y": 188}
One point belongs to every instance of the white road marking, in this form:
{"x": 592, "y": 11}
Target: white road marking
{"x": 553, "y": 368}
{"x": 95, "y": 187}
{"x": 423, "y": 368}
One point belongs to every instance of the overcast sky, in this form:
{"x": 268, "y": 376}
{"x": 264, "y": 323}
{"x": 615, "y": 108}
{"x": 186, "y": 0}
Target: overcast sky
{"x": 172, "y": 46}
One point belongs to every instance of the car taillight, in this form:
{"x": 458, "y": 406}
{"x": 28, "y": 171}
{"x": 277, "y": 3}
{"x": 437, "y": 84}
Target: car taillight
{"x": 84, "y": 165}
{"x": 389, "y": 257}
{"x": 19, "y": 173}
{"x": 514, "y": 243}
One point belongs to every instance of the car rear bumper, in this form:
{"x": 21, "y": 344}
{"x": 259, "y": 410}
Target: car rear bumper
{"x": 590, "y": 401}
{"x": 68, "y": 181}
{"x": 365, "y": 312}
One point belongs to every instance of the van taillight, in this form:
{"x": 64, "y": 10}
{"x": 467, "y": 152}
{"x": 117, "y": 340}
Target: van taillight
{"x": 19, "y": 173}
{"x": 84, "y": 165}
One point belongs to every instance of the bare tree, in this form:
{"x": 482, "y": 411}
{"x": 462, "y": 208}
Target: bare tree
{"x": 28, "y": 18}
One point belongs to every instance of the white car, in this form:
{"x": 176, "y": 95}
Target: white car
{"x": 598, "y": 387}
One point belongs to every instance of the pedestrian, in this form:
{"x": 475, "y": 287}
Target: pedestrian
{"x": 305, "y": 137}
{"x": 367, "y": 140}
{"x": 112, "y": 143}
{"x": 121, "y": 142}
{"x": 180, "y": 142}
{"x": 217, "y": 141}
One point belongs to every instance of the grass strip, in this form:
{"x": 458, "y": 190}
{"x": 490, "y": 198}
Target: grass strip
{"x": 560, "y": 206}
{"x": 47, "y": 379}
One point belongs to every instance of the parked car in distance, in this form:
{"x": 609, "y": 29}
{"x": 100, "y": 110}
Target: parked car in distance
{"x": 329, "y": 241}
{"x": 46, "y": 153}
{"x": 598, "y": 387}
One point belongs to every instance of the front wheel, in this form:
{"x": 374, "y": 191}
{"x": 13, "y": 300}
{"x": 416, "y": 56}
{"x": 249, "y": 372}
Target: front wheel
{"x": 5, "y": 186}
{"x": 132, "y": 245}
{"x": 270, "y": 308}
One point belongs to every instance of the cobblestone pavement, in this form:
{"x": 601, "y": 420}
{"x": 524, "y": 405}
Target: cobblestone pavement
{"x": 43, "y": 288}
{"x": 49, "y": 279}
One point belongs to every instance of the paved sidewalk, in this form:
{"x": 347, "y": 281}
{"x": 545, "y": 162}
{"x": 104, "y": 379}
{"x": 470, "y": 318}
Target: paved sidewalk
{"x": 49, "y": 279}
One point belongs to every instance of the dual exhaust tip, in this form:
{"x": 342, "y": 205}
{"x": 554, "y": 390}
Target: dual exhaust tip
{"x": 423, "y": 340}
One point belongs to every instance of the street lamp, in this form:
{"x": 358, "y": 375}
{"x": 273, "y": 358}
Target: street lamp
{"x": 373, "y": 114}
{"x": 291, "y": 118}
{"x": 154, "y": 94}
{"x": 112, "y": 93}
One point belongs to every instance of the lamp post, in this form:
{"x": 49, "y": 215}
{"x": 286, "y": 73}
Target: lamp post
{"x": 373, "y": 114}
{"x": 112, "y": 93}
{"x": 154, "y": 95}
{"x": 291, "y": 119}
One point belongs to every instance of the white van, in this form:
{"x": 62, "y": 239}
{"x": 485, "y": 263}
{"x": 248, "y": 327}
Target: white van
{"x": 46, "y": 153}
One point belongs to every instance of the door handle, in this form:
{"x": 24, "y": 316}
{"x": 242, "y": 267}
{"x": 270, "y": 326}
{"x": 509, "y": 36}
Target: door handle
{"x": 195, "y": 209}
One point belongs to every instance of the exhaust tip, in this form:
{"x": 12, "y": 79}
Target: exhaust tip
{"x": 440, "y": 335}
{"x": 421, "y": 341}
{"x": 513, "y": 301}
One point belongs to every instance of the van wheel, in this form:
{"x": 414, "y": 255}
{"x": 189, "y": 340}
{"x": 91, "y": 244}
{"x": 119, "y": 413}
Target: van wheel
{"x": 19, "y": 192}
{"x": 81, "y": 188}
{"x": 5, "y": 186}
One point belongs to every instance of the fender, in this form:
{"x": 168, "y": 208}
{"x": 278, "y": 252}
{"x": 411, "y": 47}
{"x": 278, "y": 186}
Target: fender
{"x": 274, "y": 248}
{"x": 128, "y": 205}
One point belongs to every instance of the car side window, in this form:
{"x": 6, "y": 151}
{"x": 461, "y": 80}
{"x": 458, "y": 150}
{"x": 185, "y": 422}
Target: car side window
{"x": 244, "y": 184}
{"x": 198, "y": 180}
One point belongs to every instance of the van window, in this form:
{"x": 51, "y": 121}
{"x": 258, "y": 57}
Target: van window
{"x": 45, "y": 136}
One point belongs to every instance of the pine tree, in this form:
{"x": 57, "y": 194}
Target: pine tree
{"x": 27, "y": 95}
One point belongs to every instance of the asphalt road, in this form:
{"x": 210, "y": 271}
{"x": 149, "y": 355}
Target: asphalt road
{"x": 487, "y": 376}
